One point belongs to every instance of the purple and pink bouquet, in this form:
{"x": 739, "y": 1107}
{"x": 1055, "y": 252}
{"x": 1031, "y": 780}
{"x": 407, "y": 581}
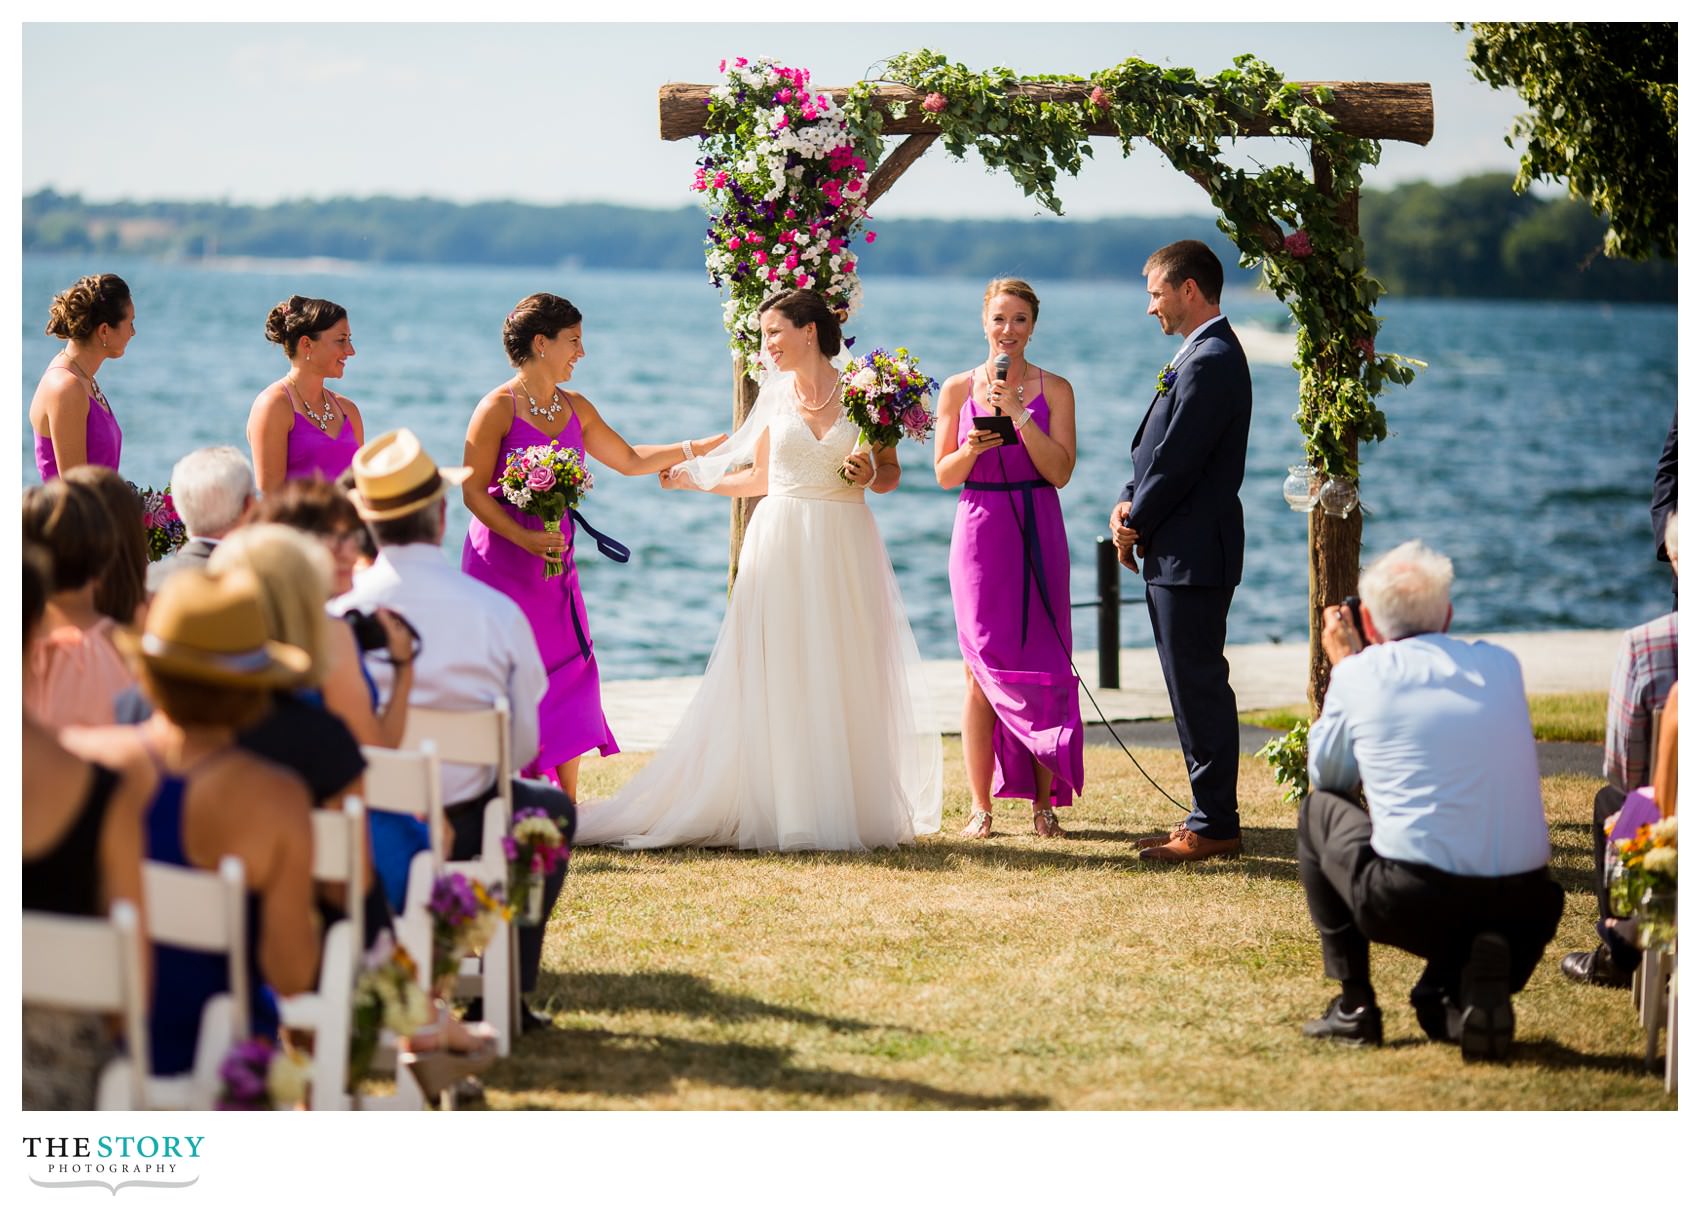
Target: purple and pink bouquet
{"x": 886, "y": 395}
{"x": 784, "y": 175}
{"x": 261, "y": 1075}
{"x": 166, "y": 531}
{"x": 464, "y": 917}
{"x": 545, "y": 482}
{"x": 534, "y": 848}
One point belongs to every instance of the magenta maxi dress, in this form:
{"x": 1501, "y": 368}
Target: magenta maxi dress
{"x": 313, "y": 452}
{"x": 570, "y": 720}
{"x": 1009, "y": 584}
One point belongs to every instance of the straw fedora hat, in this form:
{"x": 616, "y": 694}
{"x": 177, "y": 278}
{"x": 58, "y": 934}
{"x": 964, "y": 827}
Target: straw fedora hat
{"x": 210, "y": 628}
{"x": 393, "y": 477}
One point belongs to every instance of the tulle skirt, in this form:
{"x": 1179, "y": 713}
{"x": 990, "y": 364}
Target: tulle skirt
{"x": 811, "y": 728}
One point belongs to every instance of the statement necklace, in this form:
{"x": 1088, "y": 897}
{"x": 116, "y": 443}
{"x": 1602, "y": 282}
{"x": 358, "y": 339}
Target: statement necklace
{"x": 93, "y": 386}
{"x": 323, "y": 422}
{"x": 548, "y": 412}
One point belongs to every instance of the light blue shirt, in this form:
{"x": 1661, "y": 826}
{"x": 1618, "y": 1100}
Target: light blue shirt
{"x": 1437, "y": 729}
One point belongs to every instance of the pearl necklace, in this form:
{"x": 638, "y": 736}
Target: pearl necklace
{"x": 830, "y": 396}
{"x": 548, "y": 413}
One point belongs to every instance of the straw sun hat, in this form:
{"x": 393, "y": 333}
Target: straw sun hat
{"x": 393, "y": 477}
{"x": 210, "y": 628}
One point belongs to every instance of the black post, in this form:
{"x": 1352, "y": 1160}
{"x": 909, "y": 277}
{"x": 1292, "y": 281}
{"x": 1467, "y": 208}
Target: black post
{"x": 1109, "y": 616}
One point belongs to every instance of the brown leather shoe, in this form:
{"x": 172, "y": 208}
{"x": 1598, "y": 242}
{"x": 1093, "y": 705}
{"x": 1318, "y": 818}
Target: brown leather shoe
{"x": 1158, "y": 839}
{"x": 1188, "y": 847}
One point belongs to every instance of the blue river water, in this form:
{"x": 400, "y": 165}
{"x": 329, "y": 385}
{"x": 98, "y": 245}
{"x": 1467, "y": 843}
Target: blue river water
{"x": 1525, "y": 451}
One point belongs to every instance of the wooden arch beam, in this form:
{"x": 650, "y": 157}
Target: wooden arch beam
{"x": 1401, "y": 112}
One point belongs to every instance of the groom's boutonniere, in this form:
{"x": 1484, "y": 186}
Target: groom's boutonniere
{"x": 1165, "y": 379}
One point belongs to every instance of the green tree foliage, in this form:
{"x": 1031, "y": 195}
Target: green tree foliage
{"x": 1603, "y": 120}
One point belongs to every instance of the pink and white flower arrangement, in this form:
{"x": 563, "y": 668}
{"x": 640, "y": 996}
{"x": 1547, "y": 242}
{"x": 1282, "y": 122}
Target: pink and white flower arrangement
{"x": 165, "y": 529}
{"x": 784, "y": 175}
{"x": 545, "y": 482}
{"x": 886, "y": 395}
{"x": 387, "y": 994}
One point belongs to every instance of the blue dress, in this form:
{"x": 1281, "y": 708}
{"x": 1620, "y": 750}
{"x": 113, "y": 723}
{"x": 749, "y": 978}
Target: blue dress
{"x": 185, "y": 980}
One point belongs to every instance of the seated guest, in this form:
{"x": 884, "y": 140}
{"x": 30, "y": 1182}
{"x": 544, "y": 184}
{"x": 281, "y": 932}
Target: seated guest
{"x": 1640, "y": 683}
{"x": 324, "y": 511}
{"x": 121, "y": 589}
{"x": 82, "y": 844}
{"x": 208, "y": 668}
{"x": 73, "y": 671}
{"x": 475, "y": 645}
{"x": 212, "y": 489}
{"x": 1449, "y": 862}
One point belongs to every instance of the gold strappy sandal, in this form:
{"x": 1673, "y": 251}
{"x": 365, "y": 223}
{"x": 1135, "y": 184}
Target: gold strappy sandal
{"x": 979, "y": 825}
{"x": 1045, "y": 823}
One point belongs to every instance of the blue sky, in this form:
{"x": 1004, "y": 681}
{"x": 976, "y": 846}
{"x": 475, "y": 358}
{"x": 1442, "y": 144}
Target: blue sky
{"x": 567, "y": 112}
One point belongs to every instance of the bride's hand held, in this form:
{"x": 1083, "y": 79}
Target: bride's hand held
{"x": 859, "y": 469}
{"x": 675, "y": 478}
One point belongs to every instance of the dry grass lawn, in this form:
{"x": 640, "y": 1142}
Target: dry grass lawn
{"x": 1017, "y": 973}
{"x": 1555, "y": 717}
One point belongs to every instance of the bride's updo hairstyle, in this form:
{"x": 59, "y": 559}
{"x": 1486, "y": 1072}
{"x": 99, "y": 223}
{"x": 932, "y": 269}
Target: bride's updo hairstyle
{"x": 85, "y": 305}
{"x": 299, "y": 316}
{"x": 539, "y": 315}
{"x": 803, "y": 307}
{"x": 1011, "y": 286}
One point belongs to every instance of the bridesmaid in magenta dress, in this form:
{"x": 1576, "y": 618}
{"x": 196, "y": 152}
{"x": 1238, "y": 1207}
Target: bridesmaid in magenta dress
{"x": 73, "y": 422}
{"x": 544, "y": 338}
{"x": 298, "y": 427}
{"x": 1021, "y": 731}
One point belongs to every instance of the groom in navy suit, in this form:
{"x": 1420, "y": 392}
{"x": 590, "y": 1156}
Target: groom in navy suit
{"x": 1181, "y": 513}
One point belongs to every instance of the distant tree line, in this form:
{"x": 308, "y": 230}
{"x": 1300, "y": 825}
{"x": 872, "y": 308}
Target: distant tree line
{"x": 1474, "y": 239}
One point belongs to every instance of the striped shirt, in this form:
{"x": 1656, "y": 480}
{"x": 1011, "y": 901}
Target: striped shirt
{"x": 1640, "y": 682}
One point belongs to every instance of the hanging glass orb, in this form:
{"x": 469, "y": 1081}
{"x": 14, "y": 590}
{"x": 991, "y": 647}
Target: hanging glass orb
{"x": 1338, "y": 497}
{"x": 1300, "y": 488}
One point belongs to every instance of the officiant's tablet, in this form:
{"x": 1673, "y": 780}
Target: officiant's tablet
{"x": 1001, "y": 425}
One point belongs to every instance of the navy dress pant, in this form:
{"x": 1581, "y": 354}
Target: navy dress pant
{"x": 1190, "y": 624}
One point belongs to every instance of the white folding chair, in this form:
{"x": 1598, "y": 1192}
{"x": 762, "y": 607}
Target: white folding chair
{"x": 410, "y": 781}
{"x": 478, "y": 738}
{"x": 94, "y": 965}
{"x": 202, "y": 911}
{"x": 339, "y": 856}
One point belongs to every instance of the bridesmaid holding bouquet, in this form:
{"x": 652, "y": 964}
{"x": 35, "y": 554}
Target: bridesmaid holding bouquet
{"x": 513, "y": 549}
{"x": 1021, "y": 731}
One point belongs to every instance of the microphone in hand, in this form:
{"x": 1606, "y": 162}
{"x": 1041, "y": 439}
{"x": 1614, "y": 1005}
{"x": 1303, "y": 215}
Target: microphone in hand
{"x": 1001, "y": 368}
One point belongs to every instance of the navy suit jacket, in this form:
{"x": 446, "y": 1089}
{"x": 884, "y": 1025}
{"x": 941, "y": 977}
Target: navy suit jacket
{"x": 1188, "y": 462}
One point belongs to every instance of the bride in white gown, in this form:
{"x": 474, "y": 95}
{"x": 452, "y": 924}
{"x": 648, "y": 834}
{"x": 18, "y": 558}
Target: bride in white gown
{"x": 811, "y": 728}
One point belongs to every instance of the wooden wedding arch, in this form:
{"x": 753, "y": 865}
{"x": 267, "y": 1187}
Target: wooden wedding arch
{"x": 1403, "y": 112}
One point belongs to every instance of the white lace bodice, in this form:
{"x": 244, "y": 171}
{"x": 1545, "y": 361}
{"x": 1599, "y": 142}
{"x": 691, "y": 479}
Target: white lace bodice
{"x": 799, "y": 465}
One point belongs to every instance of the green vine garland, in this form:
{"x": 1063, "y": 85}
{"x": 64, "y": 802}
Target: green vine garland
{"x": 1278, "y": 218}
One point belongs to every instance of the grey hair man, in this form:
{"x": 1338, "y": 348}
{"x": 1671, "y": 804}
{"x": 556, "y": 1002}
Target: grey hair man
{"x": 1450, "y": 860}
{"x": 213, "y": 490}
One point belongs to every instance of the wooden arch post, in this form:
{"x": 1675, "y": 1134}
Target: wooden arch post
{"x": 1402, "y": 112}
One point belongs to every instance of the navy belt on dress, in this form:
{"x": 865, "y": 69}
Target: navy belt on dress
{"x": 1033, "y": 559}
{"x": 614, "y": 550}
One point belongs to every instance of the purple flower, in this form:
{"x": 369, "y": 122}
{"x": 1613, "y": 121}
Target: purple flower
{"x": 540, "y": 479}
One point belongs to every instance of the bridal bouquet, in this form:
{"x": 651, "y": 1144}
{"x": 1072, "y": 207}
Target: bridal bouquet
{"x": 886, "y": 395}
{"x": 388, "y": 994}
{"x": 545, "y": 482}
{"x": 465, "y": 915}
{"x": 166, "y": 531}
{"x": 534, "y": 848}
{"x": 261, "y": 1075}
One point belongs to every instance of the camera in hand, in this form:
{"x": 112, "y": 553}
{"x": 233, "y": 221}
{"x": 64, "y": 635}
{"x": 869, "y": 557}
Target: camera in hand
{"x": 369, "y": 633}
{"x": 1351, "y": 604}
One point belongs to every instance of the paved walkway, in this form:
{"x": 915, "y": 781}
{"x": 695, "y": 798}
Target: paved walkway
{"x": 644, "y": 712}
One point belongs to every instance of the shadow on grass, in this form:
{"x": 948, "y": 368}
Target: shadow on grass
{"x": 621, "y": 1065}
{"x": 671, "y": 993}
{"x": 1550, "y": 1054}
